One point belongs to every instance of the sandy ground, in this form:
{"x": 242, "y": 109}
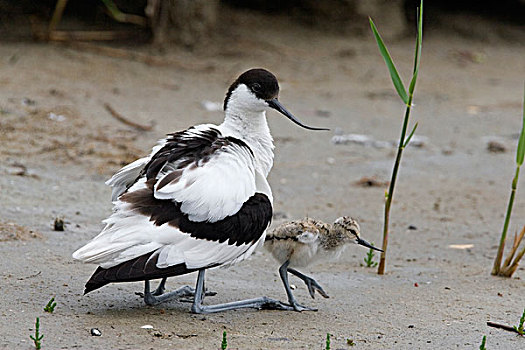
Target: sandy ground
{"x": 58, "y": 144}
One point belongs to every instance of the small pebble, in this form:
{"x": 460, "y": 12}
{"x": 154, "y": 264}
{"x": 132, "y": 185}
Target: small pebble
{"x": 28, "y": 102}
{"x": 370, "y": 182}
{"x": 412, "y": 227}
{"x": 496, "y": 147}
{"x": 59, "y": 224}
{"x": 96, "y": 332}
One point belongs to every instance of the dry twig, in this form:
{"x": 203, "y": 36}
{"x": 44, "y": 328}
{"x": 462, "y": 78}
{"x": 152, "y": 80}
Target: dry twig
{"x": 502, "y": 326}
{"x": 124, "y": 120}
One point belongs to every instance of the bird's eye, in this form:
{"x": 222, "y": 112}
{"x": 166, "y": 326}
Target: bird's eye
{"x": 256, "y": 87}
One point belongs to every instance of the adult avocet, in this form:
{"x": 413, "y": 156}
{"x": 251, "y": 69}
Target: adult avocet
{"x": 199, "y": 200}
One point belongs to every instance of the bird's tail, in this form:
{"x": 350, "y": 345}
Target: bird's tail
{"x": 139, "y": 269}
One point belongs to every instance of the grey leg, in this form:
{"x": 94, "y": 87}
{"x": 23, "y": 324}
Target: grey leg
{"x": 310, "y": 283}
{"x": 161, "y": 288}
{"x": 257, "y": 303}
{"x": 158, "y": 296}
{"x": 283, "y": 272}
{"x": 199, "y": 288}
{"x": 159, "y": 291}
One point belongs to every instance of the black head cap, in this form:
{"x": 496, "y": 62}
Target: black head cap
{"x": 261, "y": 82}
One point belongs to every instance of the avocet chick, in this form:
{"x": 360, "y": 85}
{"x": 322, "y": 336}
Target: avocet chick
{"x": 301, "y": 242}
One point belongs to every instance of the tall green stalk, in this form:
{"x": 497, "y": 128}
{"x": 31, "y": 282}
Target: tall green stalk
{"x": 407, "y": 99}
{"x": 496, "y": 269}
{"x": 390, "y": 194}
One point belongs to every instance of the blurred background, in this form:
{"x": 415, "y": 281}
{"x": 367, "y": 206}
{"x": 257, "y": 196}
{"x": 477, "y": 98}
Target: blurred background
{"x": 192, "y": 23}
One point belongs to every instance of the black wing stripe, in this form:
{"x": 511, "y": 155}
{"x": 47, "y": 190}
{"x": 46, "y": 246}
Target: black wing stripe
{"x": 246, "y": 226}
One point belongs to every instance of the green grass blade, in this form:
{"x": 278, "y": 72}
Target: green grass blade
{"x": 521, "y": 144}
{"x": 412, "y": 85}
{"x": 419, "y": 41}
{"x": 417, "y": 55}
{"x": 410, "y": 136}
{"x": 396, "y": 79}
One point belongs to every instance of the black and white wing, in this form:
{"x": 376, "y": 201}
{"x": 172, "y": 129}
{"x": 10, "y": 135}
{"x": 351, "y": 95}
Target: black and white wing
{"x": 129, "y": 174}
{"x": 197, "y": 202}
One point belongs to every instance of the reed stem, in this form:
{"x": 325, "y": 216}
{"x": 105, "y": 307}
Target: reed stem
{"x": 390, "y": 194}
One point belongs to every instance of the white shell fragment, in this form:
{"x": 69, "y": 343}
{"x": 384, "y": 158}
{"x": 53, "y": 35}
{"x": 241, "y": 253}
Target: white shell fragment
{"x": 368, "y": 141}
{"x": 56, "y": 117}
{"x": 461, "y": 246}
{"x": 147, "y": 326}
{"x": 359, "y": 139}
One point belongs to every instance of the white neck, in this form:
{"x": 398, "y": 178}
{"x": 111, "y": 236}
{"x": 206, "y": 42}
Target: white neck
{"x": 247, "y": 122}
{"x": 252, "y": 128}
